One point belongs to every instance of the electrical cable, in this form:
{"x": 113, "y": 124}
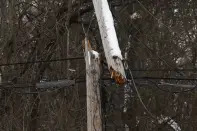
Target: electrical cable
{"x": 41, "y": 61}
{"x": 162, "y": 70}
{"x": 140, "y": 3}
{"x": 82, "y": 79}
{"x": 139, "y": 96}
{"x": 165, "y": 78}
{"x": 187, "y": 90}
{"x": 175, "y": 69}
{"x": 141, "y": 101}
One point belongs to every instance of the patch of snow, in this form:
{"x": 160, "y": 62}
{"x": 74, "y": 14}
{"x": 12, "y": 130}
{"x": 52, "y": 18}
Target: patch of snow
{"x": 95, "y": 53}
{"x": 135, "y": 16}
{"x": 170, "y": 122}
{"x": 71, "y": 70}
{"x": 24, "y": 19}
{"x": 176, "y": 10}
{"x": 181, "y": 61}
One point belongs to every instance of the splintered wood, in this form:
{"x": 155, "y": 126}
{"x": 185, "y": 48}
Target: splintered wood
{"x": 119, "y": 79}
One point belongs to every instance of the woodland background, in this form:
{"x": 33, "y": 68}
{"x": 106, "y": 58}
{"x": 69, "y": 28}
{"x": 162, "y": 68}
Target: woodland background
{"x": 159, "y": 37}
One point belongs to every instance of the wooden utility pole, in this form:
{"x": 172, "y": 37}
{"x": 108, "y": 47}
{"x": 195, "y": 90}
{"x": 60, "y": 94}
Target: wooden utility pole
{"x": 94, "y": 116}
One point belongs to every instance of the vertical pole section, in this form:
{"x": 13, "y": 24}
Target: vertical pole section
{"x": 94, "y": 122}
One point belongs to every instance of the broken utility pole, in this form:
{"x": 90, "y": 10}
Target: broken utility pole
{"x": 109, "y": 39}
{"x": 94, "y": 116}
{"x": 111, "y": 46}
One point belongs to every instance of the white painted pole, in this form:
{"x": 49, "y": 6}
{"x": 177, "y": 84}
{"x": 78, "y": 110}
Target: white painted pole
{"x": 108, "y": 36}
{"x": 111, "y": 46}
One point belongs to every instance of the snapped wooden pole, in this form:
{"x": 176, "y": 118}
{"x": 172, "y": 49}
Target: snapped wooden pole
{"x": 94, "y": 116}
{"x": 109, "y": 38}
{"x": 111, "y": 47}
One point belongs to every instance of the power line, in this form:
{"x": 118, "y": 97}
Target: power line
{"x": 153, "y": 116}
{"x": 169, "y": 91}
{"x": 157, "y": 19}
{"x": 166, "y": 78}
{"x": 153, "y": 15}
{"x": 175, "y": 69}
{"x": 132, "y": 82}
{"x": 41, "y": 61}
{"x": 82, "y": 79}
{"x": 80, "y": 58}
{"x": 163, "y": 70}
{"x": 172, "y": 68}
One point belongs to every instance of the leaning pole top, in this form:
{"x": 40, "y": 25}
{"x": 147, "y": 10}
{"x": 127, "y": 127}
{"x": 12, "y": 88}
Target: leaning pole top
{"x": 109, "y": 40}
